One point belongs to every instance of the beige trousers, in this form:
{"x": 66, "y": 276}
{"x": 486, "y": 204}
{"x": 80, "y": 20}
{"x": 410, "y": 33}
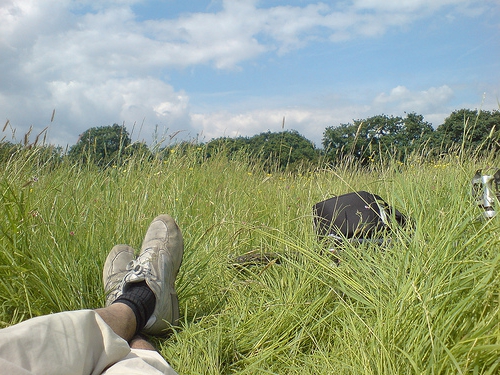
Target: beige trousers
{"x": 74, "y": 342}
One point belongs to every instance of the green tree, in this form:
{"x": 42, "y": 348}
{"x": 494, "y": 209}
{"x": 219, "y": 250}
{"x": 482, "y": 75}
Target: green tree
{"x": 371, "y": 138}
{"x": 283, "y": 149}
{"x": 363, "y": 138}
{"x": 414, "y": 133}
{"x": 139, "y": 149}
{"x": 103, "y": 145}
{"x": 39, "y": 155}
{"x": 470, "y": 129}
{"x": 274, "y": 150}
{"x": 7, "y": 150}
{"x": 227, "y": 146}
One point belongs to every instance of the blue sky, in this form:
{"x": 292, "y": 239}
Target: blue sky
{"x": 237, "y": 67}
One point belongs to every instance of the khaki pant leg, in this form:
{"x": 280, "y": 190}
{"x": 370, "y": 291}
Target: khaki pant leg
{"x": 75, "y": 342}
{"x": 141, "y": 362}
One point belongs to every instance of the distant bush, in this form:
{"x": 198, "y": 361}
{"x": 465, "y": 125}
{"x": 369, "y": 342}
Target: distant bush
{"x": 106, "y": 146}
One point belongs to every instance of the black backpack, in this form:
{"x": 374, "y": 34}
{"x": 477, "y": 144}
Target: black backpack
{"x": 358, "y": 216}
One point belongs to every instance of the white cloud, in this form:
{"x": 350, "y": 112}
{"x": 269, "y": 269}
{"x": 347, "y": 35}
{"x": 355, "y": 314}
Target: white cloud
{"x": 143, "y": 102}
{"x": 106, "y": 66}
{"x": 130, "y": 100}
{"x": 402, "y": 99}
{"x": 312, "y": 122}
{"x": 239, "y": 32}
{"x": 408, "y": 6}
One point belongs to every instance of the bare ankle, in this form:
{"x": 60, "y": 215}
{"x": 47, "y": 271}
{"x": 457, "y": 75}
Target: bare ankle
{"x": 139, "y": 342}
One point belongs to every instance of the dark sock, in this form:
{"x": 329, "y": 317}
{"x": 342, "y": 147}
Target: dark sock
{"x": 141, "y": 299}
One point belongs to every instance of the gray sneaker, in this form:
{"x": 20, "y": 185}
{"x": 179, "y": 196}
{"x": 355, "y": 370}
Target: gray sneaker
{"x": 158, "y": 264}
{"x": 115, "y": 269}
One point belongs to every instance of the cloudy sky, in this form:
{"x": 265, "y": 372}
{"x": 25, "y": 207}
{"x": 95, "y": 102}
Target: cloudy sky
{"x": 203, "y": 69}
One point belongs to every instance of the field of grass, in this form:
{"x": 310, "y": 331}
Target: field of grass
{"x": 427, "y": 303}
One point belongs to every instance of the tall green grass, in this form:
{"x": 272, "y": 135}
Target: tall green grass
{"x": 427, "y": 303}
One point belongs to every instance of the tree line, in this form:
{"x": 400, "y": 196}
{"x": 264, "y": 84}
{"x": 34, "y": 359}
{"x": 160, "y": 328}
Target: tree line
{"x": 374, "y": 137}
{"x": 365, "y": 140}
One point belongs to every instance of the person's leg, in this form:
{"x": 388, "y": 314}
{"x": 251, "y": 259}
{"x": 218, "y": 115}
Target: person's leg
{"x": 75, "y": 342}
{"x": 141, "y": 362}
{"x": 155, "y": 271}
{"x": 142, "y": 291}
{"x": 148, "y": 286}
{"x": 120, "y": 318}
{"x": 78, "y": 342}
{"x": 139, "y": 342}
{"x": 88, "y": 341}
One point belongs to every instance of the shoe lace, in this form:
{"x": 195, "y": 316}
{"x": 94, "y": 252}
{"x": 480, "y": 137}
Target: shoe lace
{"x": 141, "y": 268}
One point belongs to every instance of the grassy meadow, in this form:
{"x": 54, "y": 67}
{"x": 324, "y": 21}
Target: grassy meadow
{"x": 427, "y": 303}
